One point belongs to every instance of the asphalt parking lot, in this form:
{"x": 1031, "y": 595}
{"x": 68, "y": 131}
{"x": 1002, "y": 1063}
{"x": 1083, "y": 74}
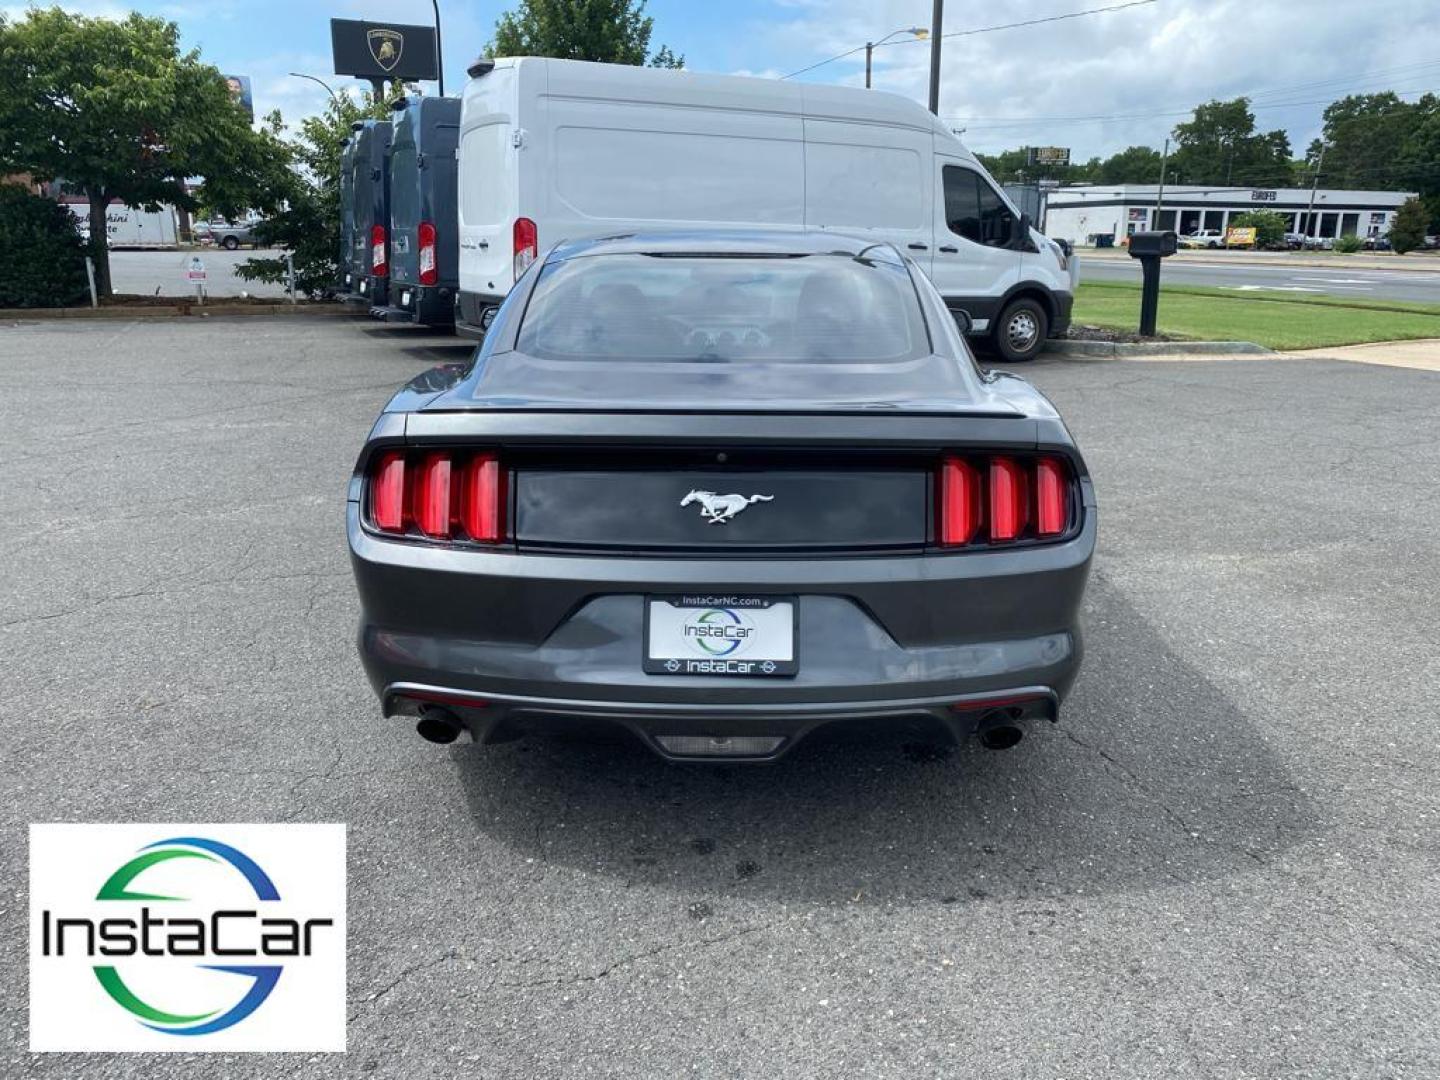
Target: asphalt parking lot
{"x": 1221, "y": 864}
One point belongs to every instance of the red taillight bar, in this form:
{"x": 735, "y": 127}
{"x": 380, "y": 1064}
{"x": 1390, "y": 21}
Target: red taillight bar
{"x": 429, "y": 268}
{"x": 441, "y": 494}
{"x": 1001, "y": 499}
{"x": 527, "y": 245}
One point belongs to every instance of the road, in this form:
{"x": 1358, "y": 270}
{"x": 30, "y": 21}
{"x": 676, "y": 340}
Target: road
{"x": 1221, "y": 864}
{"x": 1413, "y": 285}
{"x": 150, "y": 273}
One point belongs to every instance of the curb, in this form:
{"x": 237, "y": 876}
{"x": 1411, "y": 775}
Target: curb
{"x": 1155, "y": 348}
{"x": 168, "y": 311}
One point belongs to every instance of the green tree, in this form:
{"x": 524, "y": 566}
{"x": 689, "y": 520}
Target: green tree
{"x": 609, "y": 31}
{"x": 1219, "y": 145}
{"x": 1407, "y": 227}
{"x": 1268, "y": 225}
{"x": 115, "y": 110}
{"x": 1135, "y": 165}
{"x": 308, "y": 226}
{"x": 42, "y": 258}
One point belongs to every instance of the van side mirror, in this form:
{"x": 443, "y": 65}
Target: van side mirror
{"x": 963, "y": 322}
{"x": 1020, "y": 233}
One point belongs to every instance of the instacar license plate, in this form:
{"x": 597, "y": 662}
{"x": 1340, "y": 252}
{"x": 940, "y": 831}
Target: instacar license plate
{"x": 720, "y": 634}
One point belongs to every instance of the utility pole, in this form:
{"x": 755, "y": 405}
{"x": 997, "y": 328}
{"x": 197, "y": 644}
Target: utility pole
{"x": 1160, "y": 191}
{"x": 937, "y": 18}
{"x": 1312, "y": 227}
{"x": 869, "y": 49}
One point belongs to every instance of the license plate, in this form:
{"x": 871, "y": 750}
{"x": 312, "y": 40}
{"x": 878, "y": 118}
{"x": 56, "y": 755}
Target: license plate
{"x": 720, "y": 634}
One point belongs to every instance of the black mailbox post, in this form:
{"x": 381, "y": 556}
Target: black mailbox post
{"x": 1150, "y": 248}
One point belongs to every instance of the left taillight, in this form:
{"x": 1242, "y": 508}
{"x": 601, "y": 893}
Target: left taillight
{"x": 429, "y": 271}
{"x": 1001, "y": 499}
{"x": 379, "y": 260}
{"x": 440, "y": 495}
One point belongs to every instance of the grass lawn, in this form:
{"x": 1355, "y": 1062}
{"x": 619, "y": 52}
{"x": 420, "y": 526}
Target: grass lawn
{"x": 1276, "y": 320}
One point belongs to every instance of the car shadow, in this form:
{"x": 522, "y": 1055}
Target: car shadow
{"x": 1153, "y": 777}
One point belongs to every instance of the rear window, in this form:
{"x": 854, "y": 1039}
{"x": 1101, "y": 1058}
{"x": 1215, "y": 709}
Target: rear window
{"x": 806, "y": 308}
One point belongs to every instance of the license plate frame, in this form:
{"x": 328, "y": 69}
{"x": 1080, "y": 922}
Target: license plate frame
{"x": 764, "y": 659}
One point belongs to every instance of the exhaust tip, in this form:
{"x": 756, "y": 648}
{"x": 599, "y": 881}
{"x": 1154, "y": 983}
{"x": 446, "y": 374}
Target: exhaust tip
{"x": 998, "y": 730}
{"x": 438, "y": 725}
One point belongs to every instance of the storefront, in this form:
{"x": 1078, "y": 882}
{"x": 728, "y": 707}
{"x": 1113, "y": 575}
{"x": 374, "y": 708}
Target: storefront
{"x": 1080, "y": 214}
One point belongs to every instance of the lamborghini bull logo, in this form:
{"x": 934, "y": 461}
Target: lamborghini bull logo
{"x": 386, "y": 47}
{"x": 718, "y": 509}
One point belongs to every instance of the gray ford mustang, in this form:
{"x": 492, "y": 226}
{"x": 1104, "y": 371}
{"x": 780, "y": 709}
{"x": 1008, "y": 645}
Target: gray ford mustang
{"x": 720, "y": 489}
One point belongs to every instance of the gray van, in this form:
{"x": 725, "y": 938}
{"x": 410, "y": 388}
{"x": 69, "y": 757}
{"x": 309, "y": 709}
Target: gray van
{"x": 424, "y": 234}
{"x": 346, "y": 277}
{"x": 370, "y": 221}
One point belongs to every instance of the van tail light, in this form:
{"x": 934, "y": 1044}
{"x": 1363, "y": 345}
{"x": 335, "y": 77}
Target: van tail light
{"x": 429, "y": 272}
{"x": 527, "y": 245}
{"x": 1008, "y": 499}
{"x": 984, "y": 501}
{"x": 379, "y": 265}
{"x": 439, "y": 495}
{"x": 959, "y": 501}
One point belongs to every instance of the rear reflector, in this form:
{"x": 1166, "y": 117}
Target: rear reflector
{"x": 440, "y": 495}
{"x": 1001, "y": 500}
{"x": 1050, "y": 509}
{"x": 959, "y": 501}
{"x": 1008, "y": 499}
{"x": 429, "y": 273}
{"x": 527, "y": 245}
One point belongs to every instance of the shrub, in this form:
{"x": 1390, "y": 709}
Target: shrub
{"x": 42, "y": 257}
{"x": 1348, "y": 245}
{"x": 1407, "y": 228}
{"x": 1268, "y": 225}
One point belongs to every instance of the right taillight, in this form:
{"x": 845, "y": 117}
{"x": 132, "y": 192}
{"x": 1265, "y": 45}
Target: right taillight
{"x": 527, "y": 245}
{"x": 379, "y": 258}
{"x": 1002, "y": 499}
{"x": 429, "y": 269}
{"x": 439, "y": 495}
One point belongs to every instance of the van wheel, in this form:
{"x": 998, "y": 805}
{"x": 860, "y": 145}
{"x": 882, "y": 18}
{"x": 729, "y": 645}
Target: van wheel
{"x": 1021, "y": 329}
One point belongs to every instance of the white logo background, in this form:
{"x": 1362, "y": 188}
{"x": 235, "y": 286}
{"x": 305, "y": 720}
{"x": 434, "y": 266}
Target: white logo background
{"x": 70, "y": 1011}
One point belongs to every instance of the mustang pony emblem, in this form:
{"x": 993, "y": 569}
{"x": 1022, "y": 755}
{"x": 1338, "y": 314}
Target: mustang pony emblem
{"x": 718, "y": 509}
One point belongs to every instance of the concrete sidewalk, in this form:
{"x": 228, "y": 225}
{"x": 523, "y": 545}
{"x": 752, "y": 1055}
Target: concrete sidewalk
{"x": 1421, "y": 262}
{"x": 1421, "y": 355}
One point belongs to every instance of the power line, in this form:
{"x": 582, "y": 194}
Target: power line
{"x": 977, "y": 30}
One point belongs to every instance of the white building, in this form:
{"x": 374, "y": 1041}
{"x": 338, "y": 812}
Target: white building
{"x": 1079, "y": 214}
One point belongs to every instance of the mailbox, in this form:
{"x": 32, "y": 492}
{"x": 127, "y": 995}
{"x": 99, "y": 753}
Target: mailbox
{"x": 1159, "y": 244}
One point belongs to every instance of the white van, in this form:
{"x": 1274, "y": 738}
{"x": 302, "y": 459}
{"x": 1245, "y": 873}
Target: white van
{"x": 556, "y": 150}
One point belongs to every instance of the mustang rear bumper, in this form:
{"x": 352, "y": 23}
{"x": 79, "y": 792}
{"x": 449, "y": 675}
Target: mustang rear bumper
{"x": 536, "y": 640}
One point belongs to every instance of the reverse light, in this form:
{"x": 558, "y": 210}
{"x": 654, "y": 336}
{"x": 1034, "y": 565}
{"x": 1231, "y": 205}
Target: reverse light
{"x": 439, "y": 495}
{"x": 527, "y": 245}
{"x": 429, "y": 272}
{"x": 378, "y": 263}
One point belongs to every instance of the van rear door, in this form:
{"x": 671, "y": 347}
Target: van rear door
{"x": 488, "y": 183}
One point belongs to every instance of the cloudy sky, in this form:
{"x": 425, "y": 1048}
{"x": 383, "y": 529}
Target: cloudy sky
{"x": 1096, "y": 84}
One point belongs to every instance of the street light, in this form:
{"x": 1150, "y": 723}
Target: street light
{"x": 312, "y": 78}
{"x": 919, "y": 32}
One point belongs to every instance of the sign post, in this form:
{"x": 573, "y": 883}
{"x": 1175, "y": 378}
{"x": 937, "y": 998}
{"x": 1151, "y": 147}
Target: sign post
{"x": 194, "y": 273}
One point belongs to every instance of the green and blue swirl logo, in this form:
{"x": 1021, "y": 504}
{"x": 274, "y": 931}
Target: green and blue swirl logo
{"x": 242, "y": 942}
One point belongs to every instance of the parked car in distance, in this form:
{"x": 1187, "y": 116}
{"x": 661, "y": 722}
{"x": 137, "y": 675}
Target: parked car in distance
{"x": 718, "y": 489}
{"x": 564, "y": 149}
{"x": 1204, "y": 238}
{"x": 1376, "y": 243}
{"x": 1294, "y": 241}
{"x": 229, "y": 235}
